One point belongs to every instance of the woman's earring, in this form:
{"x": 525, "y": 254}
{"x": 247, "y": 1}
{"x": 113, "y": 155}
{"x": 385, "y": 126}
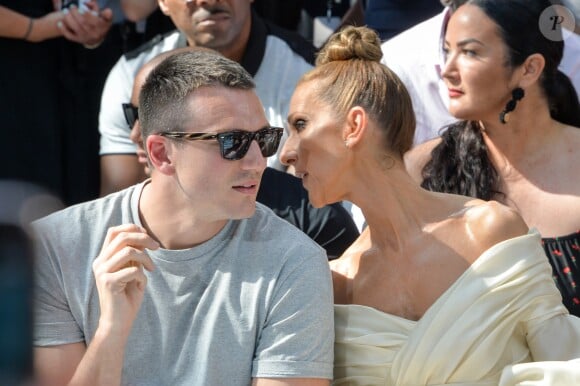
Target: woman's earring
{"x": 517, "y": 94}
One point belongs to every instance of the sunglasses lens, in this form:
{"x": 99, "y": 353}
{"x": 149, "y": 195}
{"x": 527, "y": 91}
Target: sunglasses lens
{"x": 235, "y": 145}
{"x": 269, "y": 140}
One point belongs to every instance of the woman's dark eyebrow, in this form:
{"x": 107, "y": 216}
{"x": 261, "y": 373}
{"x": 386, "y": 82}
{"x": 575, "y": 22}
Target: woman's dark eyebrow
{"x": 469, "y": 40}
{"x": 464, "y": 42}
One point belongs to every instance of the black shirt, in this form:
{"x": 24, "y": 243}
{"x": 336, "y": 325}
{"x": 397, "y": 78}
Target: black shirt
{"x": 331, "y": 226}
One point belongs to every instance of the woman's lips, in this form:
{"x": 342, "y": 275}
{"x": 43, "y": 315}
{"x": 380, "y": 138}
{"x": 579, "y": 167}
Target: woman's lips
{"x": 454, "y": 93}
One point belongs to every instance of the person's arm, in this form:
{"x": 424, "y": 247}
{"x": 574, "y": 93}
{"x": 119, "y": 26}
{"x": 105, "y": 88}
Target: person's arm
{"x": 119, "y": 171}
{"x": 120, "y": 280}
{"x": 55, "y": 365}
{"x": 136, "y": 10}
{"x": 18, "y": 26}
{"x": 74, "y": 364}
{"x": 553, "y": 338}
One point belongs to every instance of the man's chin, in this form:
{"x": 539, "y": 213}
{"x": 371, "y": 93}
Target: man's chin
{"x": 213, "y": 40}
{"x": 246, "y": 212}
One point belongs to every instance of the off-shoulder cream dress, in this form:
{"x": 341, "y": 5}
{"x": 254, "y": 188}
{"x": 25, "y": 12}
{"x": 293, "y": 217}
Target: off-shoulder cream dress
{"x": 502, "y": 313}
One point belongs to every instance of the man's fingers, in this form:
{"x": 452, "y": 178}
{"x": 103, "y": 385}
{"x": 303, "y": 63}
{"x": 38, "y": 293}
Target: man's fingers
{"x": 137, "y": 240}
{"x": 119, "y": 280}
{"x": 126, "y": 257}
{"x": 126, "y": 235}
{"x": 112, "y": 232}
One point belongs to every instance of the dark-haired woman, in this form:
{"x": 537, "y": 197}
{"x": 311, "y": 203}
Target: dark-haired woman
{"x": 440, "y": 288}
{"x": 519, "y": 140}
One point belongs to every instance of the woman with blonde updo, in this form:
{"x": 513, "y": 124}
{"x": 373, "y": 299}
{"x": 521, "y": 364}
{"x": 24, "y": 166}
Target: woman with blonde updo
{"x": 439, "y": 288}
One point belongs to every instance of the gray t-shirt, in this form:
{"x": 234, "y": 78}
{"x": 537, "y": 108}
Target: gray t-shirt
{"x": 254, "y": 301}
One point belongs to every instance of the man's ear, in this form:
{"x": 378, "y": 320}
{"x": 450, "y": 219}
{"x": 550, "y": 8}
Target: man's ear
{"x": 159, "y": 154}
{"x": 531, "y": 70}
{"x": 356, "y": 123}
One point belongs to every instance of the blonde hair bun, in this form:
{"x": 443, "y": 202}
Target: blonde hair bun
{"x": 351, "y": 43}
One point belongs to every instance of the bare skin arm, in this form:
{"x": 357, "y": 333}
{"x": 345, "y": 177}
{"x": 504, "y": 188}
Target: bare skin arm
{"x": 119, "y": 171}
{"x": 15, "y": 25}
{"x": 121, "y": 281}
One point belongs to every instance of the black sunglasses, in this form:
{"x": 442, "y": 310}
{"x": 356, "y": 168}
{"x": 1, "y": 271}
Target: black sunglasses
{"x": 235, "y": 144}
{"x": 131, "y": 113}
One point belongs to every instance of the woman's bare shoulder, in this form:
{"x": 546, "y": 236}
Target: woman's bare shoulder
{"x": 489, "y": 223}
{"x": 345, "y": 267}
{"x": 341, "y": 277}
{"x": 417, "y": 158}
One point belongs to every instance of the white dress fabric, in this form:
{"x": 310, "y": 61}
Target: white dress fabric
{"x": 504, "y": 310}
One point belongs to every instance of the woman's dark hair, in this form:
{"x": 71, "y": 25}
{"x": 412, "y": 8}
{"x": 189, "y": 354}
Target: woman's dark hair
{"x": 460, "y": 163}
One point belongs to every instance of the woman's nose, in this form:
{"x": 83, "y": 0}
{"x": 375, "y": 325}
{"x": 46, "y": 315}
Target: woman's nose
{"x": 288, "y": 153}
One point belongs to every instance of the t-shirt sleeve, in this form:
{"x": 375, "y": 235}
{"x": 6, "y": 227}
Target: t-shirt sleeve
{"x": 113, "y": 127}
{"x": 297, "y": 340}
{"x": 54, "y": 323}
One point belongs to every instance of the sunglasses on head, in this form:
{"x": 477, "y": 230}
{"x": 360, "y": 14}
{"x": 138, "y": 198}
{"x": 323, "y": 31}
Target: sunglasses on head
{"x": 131, "y": 114}
{"x": 235, "y": 144}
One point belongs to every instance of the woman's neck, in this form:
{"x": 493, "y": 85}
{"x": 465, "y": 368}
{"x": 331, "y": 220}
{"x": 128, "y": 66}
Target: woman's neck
{"x": 394, "y": 206}
{"x": 530, "y": 130}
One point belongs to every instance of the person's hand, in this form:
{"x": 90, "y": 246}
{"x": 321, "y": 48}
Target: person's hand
{"x": 88, "y": 27}
{"x": 45, "y": 27}
{"x": 120, "y": 278}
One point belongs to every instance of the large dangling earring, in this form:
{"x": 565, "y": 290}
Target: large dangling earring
{"x": 517, "y": 94}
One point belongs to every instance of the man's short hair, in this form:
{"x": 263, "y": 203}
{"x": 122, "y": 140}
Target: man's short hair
{"x": 167, "y": 87}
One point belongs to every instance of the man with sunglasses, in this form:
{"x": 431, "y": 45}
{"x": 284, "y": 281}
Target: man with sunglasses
{"x": 184, "y": 279}
{"x": 275, "y": 58}
{"x": 331, "y": 226}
